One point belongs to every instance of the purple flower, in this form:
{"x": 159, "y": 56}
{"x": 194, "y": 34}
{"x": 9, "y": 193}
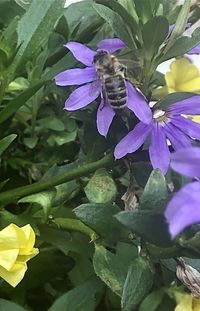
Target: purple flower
{"x": 166, "y": 125}
{"x": 91, "y": 85}
{"x": 184, "y": 208}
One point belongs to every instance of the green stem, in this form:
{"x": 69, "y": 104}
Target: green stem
{"x": 14, "y": 194}
{"x": 75, "y": 225}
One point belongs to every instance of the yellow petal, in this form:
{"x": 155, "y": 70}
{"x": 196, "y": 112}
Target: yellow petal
{"x": 30, "y": 240}
{"x": 190, "y": 86}
{"x": 183, "y": 71}
{"x": 185, "y": 303}
{"x": 195, "y": 118}
{"x": 9, "y": 238}
{"x": 170, "y": 81}
{"x": 15, "y": 275}
{"x": 196, "y": 304}
{"x": 25, "y": 258}
{"x": 8, "y": 258}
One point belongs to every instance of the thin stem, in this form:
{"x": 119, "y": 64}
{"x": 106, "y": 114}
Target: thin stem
{"x": 75, "y": 225}
{"x": 14, "y": 194}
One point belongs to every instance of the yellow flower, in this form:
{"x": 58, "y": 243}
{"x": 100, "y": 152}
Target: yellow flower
{"x": 16, "y": 248}
{"x": 182, "y": 77}
{"x": 187, "y": 302}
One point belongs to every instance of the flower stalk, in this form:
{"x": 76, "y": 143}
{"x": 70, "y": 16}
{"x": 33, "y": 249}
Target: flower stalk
{"x": 15, "y": 194}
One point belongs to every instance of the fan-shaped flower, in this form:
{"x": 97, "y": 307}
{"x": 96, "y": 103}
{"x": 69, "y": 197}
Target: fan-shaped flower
{"x": 16, "y": 248}
{"x": 91, "y": 86}
{"x": 169, "y": 124}
{"x": 184, "y": 208}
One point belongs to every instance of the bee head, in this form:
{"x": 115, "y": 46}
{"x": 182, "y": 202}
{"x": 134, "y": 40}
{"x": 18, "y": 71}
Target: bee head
{"x": 100, "y": 56}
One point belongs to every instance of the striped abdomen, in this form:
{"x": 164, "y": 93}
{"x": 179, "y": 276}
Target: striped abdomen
{"x": 116, "y": 91}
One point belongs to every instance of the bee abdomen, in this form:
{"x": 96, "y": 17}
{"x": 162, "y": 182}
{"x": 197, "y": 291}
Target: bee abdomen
{"x": 116, "y": 91}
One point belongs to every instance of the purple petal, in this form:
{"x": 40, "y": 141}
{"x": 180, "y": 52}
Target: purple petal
{"x": 184, "y": 209}
{"x": 189, "y": 105}
{"x": 158, "y": 150}
{"x": 111, "y": 45}
{"x": 133, "y": 140}
{"x": 177, "y": 138}
{"x": 195, "y": 50}
{"x": 105, "y": 115}
{"x": 187, "y": 126}
{"x": 81, "y": 52}
{"x": 138, "y": 104}
{"x": 76, "y": 76}
{"x": 82, "y": 96}
{"x": 186, "y": 161}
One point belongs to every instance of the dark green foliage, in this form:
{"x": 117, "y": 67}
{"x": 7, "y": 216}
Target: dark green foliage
{"x": 58, "y": 174}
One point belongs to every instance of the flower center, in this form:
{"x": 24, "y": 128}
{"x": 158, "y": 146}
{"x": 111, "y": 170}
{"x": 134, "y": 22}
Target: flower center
{"x": 160, "y": 116}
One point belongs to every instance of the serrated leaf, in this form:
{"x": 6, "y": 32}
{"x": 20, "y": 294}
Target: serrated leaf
{"x": 81, "y": 298}
{"x": 6, "y": 305}
{"x": 116, "y": 23}
{"x": 150, "y": 226}
{"x": 35, "y": 27}
{"x": 111, "y": 268}
{"x": 154, "y": 33}
{"x": 44, "y": 199}
{"x": 6, "y": 141}
{"x": 138, "y": 282}
{"x": 100, "y": 218}
{"x": 101, "y": 188}
{"x": 155, "y": 192}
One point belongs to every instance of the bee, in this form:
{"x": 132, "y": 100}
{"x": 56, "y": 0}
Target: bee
{"x": 112, "y": 75}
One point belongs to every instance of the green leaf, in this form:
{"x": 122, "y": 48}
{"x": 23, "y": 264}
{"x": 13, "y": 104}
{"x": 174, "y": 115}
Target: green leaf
{"x": 6, "y": 305}
{"x": 6, "y": 141}
{"x": 142, "y": 171}
{"x": 152, "y": 227}
{"x": 101, "y": 188}
{"x": 182, "y": 45}
{"x": 35, "y": 27}
{"x": 154, "y": 33}
{"x": 138, "y": 282}
{"x": 155, "y": 192}
{"x": 30, "y": 142}
{"x": 81, "y": 298}
{"x": 100, "y": 218}
{"x": 52, "y": 123}
{"x": 180, "y": 24}
{"x": 128, "y": 15}
{"x": 172, "y": 98}
{"x": 44, "y": 199}
{"x": 143, "y": 9}
{"x": 116, "y": 23}
{"x": 152, "y": 301}
{"x": 19, "y": 101}
{"x": 112, "y": 268}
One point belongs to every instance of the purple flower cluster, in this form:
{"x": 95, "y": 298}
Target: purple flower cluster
{"x": 163, "y": 127}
